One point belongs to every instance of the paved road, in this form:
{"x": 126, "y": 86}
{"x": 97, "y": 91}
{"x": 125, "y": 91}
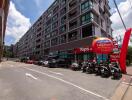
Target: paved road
{"x": 20, "y": 81}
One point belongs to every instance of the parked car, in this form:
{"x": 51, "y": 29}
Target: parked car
{"x": 56, "y": 61}
{"x": 30, "y": 62}
{"x": 75, "y": 66}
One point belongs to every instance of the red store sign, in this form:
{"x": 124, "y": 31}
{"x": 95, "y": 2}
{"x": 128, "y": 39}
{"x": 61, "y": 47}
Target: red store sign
{"x": 83, "y": 50}
{"x": 114, "y": 57}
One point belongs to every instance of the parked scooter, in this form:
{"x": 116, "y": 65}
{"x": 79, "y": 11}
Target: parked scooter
{"x": 84, "y": 66}
{"x": 90, "y": 68}
{"x": 105, "y": 70}
{"x": 115, "y": 71}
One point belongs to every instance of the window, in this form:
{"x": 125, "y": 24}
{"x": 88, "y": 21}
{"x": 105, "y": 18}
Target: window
{"x": 47, "y": 44}
{"x": 55, "y": 9}
{"x": 72, "y": 36}
{"x": 87, "y": 31}
{"x": 47, "y": 36}
{"x": 86, "y": 5}
{"x": 63, "y": 2}
{"x": 47, "y": 30}
{"x": 63, "y": 39}
{"x": 72, "y": 4}
{"x": 63, "y": 29}
{"x": 63, "y": 11}
{"x": 55, "y": 25}
{"x": 86, "y": 18}
{"x": 73, "y": 24}
{"x": 72, "y": 13}
{"x": 54, "y": 33}
{"x": 63, "y": 20}
{"x": 54, "y": 41}
{"x": 55, "y": 17}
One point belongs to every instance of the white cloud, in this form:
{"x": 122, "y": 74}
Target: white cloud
{"x": 17, "y": 24}
{"x": 126, "y": 12}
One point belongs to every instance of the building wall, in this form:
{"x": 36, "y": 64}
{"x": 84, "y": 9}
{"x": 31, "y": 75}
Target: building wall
{"x": 4, "y": 6}
{"x": 66, "y": 24}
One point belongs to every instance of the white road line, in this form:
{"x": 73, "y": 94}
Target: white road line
{"x": 90, "y": 92}
{"x": 55, "y": 73}
{"x": 30, "y": 75}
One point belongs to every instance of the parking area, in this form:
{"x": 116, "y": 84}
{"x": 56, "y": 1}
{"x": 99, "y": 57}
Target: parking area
{"x": 32, "y": 82}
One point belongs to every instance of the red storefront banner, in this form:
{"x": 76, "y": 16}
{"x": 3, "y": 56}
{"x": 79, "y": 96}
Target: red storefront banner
{"x": 83, "y": 50}
{"x": 123, "y": 53}
{"x": 114, "y": 57}
{"x": 102, "y": 45}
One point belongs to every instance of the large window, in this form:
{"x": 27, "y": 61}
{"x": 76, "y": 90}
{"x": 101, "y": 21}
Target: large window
{"x": 55, "y": 25}
{"x": 72, "y": 36}
{"x": 87, "y": 31}
{"x": 86, "y": 5}
{"x": 86, "y": 18}
{"x": 63, "y": 20}
{"x": 55, "y": 17}
{"x": 54, "y": 41}
{"x": 63, "y": 29}
{"x": 63, "y": 39}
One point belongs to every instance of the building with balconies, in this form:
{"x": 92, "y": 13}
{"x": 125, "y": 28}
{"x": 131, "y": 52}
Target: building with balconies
{"x": 66, "y": 25}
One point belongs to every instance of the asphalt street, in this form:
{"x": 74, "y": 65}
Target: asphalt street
{"x": 19, "y": 81}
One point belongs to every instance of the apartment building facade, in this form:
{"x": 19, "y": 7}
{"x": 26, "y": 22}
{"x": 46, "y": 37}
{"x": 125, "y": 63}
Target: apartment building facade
{"x": 4, "y": 6}
{"x": 65, "y": 26}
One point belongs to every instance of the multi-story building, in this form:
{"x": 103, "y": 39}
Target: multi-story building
{"x": 66, "y": 25}
{"x": 4, "y": 6}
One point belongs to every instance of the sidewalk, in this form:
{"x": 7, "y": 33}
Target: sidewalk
{"x": 124, "y": 90}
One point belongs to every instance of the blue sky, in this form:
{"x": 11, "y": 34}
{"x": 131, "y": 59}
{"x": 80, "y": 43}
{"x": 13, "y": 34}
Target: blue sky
{"x": 23, "y": 13}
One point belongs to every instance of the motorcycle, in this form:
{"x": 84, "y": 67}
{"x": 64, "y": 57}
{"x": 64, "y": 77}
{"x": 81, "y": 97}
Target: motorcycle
{"x": 84, "y": 66}
{"x": 90, "y": 68}
{"x": 105, "y": 70}
{"x": 115, "y": 71}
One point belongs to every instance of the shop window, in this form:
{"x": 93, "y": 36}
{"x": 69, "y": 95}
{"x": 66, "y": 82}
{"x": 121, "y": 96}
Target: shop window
{"x": 87, "y": 31}
{"x": 72, "y": 36}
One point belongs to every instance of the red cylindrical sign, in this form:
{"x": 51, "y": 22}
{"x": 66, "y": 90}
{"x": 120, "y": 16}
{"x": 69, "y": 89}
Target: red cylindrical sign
{"x": 102, "y": 45}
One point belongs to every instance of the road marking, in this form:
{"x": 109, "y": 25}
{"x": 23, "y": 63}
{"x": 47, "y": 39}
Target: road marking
{"x": 126, "y": 83}
{"x": 30, "y": 75}
{"x": 51, "y": 76}
{"x": 55, "y": 73}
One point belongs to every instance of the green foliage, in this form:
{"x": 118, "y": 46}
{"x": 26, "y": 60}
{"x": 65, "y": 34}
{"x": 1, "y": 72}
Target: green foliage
{"x": 129, "y": 55}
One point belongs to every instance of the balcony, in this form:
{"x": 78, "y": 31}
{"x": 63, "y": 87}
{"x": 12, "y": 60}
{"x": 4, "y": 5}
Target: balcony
{"x": 73, "y": 13}
{"x": 72, "y": 4}
{"x": 73, "y": 24}
{"x": 72, "y": 36}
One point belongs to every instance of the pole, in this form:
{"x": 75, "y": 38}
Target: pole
{"x": 120, "y": 15}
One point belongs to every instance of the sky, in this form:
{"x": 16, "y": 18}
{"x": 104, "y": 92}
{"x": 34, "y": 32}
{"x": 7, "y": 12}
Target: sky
{"x": 23, "y": 13}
